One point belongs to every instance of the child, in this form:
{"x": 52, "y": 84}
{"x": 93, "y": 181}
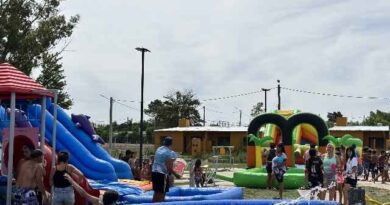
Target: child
{"x": 146, "y": 172}
{"x": 198, "y": 173}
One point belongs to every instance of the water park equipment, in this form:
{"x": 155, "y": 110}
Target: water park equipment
{"x": 251, "y": 202}
{"x": 63, "y": 134}
{"x": 293, "y": 128}
{"x": 29, "y": 135}
{"x": 286, "y": 127}
{"x": 182, "y": 194}
{"x": 290, "y": 132}
{"x": 17, "y": 89}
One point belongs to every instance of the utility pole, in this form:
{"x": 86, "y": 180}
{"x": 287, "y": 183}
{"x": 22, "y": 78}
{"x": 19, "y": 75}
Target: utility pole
{"x": 265, "y": 98}
{"x": 141, "y": 124}
{"x": 110, "y": 131}
{"x": 279, "y": 95}
{"x": 240, "y": 117}
{"x": 204, "y": 116}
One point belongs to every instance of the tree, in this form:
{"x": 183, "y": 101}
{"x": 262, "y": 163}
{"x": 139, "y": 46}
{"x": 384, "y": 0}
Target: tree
{"x": 176, "y": 105}
{"x": 52, "y": 76}
{"x": 332, "y": 116}
{"x": 30, "y": 32}
{"x": 378, "y": 117}
{"x": 257, "y": 109}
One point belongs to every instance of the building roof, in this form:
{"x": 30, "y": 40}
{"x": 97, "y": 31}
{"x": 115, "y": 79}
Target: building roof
{"x": 204, "y": 129}
{"x": 14, "y": 80}
{"x": 361, "y": 128}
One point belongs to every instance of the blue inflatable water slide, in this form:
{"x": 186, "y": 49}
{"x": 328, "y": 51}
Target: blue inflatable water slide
{"x": 87, "y": 155}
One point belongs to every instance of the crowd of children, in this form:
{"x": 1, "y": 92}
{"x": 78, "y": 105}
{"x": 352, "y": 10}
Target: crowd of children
{"x": 143, "y": 172}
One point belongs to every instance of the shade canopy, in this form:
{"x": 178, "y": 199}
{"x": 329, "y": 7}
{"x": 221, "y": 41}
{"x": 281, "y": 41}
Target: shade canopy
{"x": 14, "y": 80}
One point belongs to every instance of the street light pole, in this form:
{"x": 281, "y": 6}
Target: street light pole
{"x": 265, "y": 98}
{"x": 278, "y": 94}
{"x": 141, "y": 124}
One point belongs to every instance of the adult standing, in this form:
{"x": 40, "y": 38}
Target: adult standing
{"x": 351, "y": 172}
{"x": 330, "y": 165}
{"x": 27, "y": 150}
{"x": 162, "y": 167}
{"x": 30, "y": 176}
{"x": 271, "y": 154}
{"x": 373, "y": 165}
{"x": 315, "y": 172}
{"x": 279, "y": 167}
{"x": 63, "y": 190}
{"x": 306, "y": 157}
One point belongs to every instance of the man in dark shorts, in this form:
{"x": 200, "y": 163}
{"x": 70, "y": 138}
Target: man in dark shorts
{"x": 270, "y": 156}
{"x": 162, "y": 167}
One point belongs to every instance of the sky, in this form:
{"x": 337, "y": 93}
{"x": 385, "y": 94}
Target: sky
{"x": 224, "y": 48}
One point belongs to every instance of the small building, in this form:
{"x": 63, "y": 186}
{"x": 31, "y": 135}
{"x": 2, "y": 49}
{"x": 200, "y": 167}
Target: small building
{"x": 376, "y": 137}
{"x": 209, "y": 136}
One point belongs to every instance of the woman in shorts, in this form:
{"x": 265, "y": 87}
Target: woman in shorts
{"x": 330, "y": 165}
{"x": 351, "y": 172}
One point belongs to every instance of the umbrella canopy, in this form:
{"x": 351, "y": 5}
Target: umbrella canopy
{"x": 14, "y": 80}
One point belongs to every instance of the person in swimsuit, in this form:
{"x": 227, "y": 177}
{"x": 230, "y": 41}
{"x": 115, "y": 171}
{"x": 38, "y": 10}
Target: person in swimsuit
{"x": 27, "y": 150}
{"x": 340, "y": 156}
{"x": 63, "y": 191}
{"x": 30, "y": 177}
{"x": 279, "y": 167}
{"x": 198, "y": 174}
{"x": 330, "y": 166}
{"x": 271, "y": 154}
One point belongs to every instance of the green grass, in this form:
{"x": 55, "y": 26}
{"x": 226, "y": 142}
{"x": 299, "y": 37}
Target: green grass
{"x": 381, "y": 195}
{"x": 269, "y": 194}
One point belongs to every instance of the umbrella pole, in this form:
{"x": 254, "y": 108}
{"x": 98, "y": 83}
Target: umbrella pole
{"x": 11, "y": 149}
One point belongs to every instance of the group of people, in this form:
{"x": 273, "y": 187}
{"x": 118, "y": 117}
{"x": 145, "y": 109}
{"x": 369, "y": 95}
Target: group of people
{"x": 337, "y": 169}
{"x": 376, "y": 165}
{"x": 64, "y": 177}
{"x": 276, "y": 166}
{"x": 334, "y": 171}
{"x": 143, "y": 172}
{"x": 158, "y": 168}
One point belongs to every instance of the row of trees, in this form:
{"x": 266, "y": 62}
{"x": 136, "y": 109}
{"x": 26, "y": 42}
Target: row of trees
{"x": 374, "y": 118}
{"x": 126, "y": 132}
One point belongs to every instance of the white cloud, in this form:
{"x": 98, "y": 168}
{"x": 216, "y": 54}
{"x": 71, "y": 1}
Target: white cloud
{"x": 222, "y": 48}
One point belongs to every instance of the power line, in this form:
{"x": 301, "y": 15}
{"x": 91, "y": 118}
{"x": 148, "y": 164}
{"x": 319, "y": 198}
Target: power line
{"x": 335, "y": 95}
{"x": 234, "y": 96}
{"x": 132, "y": 108}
